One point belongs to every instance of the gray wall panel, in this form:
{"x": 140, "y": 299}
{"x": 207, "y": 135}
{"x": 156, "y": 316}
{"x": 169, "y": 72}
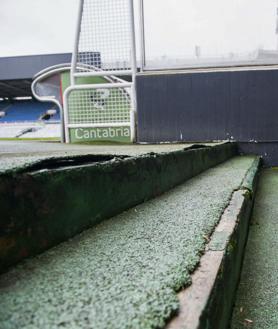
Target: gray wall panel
{"x": 239, "y": 105}
{"x": 268, "y": 151}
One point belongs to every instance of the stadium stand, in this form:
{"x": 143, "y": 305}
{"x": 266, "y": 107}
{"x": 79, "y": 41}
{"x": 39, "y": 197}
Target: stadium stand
{"x": 30, "y": 130}
{"x": 29, "y": 119}
{"x": 27, "y": 111}
{"x": 20, "y": 117}
{"x": 4, "y": 105}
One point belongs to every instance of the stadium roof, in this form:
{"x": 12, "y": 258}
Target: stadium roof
{"x": 16, "y": 73}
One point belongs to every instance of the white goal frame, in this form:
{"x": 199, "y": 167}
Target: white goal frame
{"x": 111, "y": 75}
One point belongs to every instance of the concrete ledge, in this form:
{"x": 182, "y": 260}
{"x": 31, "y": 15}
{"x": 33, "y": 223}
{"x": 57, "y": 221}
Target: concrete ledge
{"x": 208, "y": 302}
{"x": 51, "y": 201}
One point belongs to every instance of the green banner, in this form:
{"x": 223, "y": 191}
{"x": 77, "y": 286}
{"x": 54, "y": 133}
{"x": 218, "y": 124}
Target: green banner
{"x": 109, "y": 134}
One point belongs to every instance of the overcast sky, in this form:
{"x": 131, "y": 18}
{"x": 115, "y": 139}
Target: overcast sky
{"x": 173, "y": 27}
{"x": 37, "y": 26}
{"x": 217, "y": 26}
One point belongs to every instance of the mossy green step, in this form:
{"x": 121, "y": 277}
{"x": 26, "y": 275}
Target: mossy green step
{"x": 46, "y": 201}
{"x": 257, "y": 298}
{"x": 125, "y": 272}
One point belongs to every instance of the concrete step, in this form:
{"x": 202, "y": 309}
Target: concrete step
{"x": 257, "y": 297}
{"x": 126, "y": 272}
{"x": 46, "y": 200}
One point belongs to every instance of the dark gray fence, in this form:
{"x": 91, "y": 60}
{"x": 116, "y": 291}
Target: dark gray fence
{"x": 202, "y": 107}
{"x": 208, "y": 106}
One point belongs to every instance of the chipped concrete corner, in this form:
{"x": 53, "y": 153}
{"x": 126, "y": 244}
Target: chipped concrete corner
{"x": 208, "y": 302}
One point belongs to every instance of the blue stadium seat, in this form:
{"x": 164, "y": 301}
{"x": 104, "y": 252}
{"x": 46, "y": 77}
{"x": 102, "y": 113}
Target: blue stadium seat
{"x": 27, "y": 111}
{"x": 3, "y": 105}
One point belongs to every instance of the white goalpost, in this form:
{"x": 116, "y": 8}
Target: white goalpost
{"x": 100, "y": 101}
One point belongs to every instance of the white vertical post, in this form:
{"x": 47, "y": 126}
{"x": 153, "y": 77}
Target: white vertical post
{"x": 76, "y": 42}
{"x": 133, "y": 112}
{"x": 276, "y": 25}
{"x": 142, "y": 35}
{"x": 66, "y": 115}
{"x": 62, "y": 115}
{"x": 133, "y": 42}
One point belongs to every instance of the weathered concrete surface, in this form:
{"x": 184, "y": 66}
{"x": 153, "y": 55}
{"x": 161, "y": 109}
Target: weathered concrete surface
{"x": 20, "y": 153}
{"x": 59, "y": 197}
{"x": 257, "y": 297}
{"x": 25, "y": 147}
{"x": 125, "y": 272}
{"x": 207, "y": 303}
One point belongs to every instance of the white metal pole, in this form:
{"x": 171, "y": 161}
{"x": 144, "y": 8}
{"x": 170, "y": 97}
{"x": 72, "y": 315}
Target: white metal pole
{"x": 76, "y": 42}
{"x": 66, "y": 113}
{"x": 142, "y": 35}
{"x": 276, "y": 25}
{"x": 103, "y": 73}
{"x": 133, "y": 113}
{"x": 133, "y": 41}
{"x": 52, "y": 100}
{"x": 98, "y": 86}
{"x": 63, "y": 138}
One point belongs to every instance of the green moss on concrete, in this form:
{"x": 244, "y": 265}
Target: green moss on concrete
{"x": 54, "y": 203}
{"x": 125, "y": 272}
{"x": 217, "y": 310}
{"x": 257, "y": 297}
{"x": 250, "y": 180}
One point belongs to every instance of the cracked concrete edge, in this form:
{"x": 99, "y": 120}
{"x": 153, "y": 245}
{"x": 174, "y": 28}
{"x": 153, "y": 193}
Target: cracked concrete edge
{"x": 250, "y": 181}
{"x": 12, "y": 163}
{"x": 207, "y": 303}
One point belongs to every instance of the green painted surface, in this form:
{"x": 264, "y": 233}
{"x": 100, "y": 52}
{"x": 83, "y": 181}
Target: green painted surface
{"x": 257, "y": 297}
{"x": 65, "y": 80}
{"x": 125, "y": 272}
{"x": 115, "y": 134}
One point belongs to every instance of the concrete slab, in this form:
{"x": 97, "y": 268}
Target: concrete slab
{"x": 29, "y": 148}
{"x": 126, "y": 271}
{"x": 19, "y": 153}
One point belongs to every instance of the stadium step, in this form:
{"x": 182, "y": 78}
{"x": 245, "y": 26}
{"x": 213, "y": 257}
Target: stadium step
{"x": 58, "y": 197}
{"x": 126, "y": 271}
{"x": 257, "y": 297}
